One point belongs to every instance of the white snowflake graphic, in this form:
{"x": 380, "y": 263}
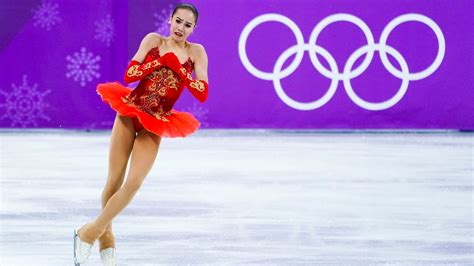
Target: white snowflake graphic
{"x": 24, "y": 104}
{"x": 46, "y": 15}
{"x": 105, "y": 30}
{"x": 161, "y": 20}
{"x": 199, "y": 112}
{"x": 83, "y": 66}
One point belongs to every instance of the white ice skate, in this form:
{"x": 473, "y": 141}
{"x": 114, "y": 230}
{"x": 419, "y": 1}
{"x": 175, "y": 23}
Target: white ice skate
{"x": 82, "y": 250}
{"x": 108, "y": 256}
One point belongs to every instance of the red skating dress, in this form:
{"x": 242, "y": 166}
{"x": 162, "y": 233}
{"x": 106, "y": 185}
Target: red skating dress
{"x": 150, "y": 104}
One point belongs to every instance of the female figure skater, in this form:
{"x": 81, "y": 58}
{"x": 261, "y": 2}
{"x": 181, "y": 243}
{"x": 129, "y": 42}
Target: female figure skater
{"x": 145, "y": 115}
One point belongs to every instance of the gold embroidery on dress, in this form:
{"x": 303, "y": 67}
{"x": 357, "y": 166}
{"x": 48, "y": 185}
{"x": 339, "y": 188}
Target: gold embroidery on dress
{"x": 164, "y": 77}
{"x": 160, "y": 81}
{"x": 163, "y": 91}
{"x": 149, "y": 102}
{"x": 172, "y": 82}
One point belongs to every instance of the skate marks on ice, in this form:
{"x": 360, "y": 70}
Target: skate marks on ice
{"x": 256, "y": 198}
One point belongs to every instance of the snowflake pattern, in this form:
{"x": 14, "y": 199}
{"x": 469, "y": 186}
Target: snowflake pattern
{"x": 199, "y": 112}
{"x": 161, "y": 20}
{"x": 24, "y": 104}
{"x": 105, "y": 30}
{"x": 83, "y": 66}
{"x": 46, "y": 15}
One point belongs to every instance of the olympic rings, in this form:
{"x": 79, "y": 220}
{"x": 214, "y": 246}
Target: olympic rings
{"x": 333, "y": 73}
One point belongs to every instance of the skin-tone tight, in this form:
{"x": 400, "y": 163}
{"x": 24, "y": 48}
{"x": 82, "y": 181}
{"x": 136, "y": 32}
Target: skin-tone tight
{"x": 143, "y": 147}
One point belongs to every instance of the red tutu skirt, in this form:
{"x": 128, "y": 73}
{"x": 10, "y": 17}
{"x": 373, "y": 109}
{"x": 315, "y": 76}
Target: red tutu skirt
{"x": 180, "y": 124}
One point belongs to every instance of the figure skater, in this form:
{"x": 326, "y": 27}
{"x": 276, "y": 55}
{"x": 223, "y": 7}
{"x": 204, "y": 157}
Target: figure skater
{"x": 145, "y": 115}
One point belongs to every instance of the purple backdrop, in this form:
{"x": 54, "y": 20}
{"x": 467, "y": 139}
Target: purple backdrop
{"x": 55, "y": 52}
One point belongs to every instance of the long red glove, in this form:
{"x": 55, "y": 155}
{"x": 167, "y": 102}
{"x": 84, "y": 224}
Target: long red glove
{"x": 198, "y": 88}
{"x": 137, "y": 71}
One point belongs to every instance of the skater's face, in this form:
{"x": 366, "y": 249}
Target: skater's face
{"x": 182, "y": 24}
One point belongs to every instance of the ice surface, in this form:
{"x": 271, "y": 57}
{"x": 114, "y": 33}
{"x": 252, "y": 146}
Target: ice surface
{"x": 247, "y": 197}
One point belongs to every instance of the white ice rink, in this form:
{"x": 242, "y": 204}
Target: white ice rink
{"x": 247, "y": 197}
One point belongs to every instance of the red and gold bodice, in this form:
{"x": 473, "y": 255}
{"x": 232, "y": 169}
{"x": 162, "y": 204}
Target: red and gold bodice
{"x": 158, "y": 91}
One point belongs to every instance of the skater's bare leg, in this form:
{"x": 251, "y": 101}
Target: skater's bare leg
{"x": 121, "y": 144}
{"x": 144, "y": 152}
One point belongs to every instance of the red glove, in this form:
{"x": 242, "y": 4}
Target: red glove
{"x": 137, "y": 71}
{"x": 198, "y": 88}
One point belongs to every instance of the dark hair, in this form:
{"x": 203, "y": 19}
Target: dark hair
{"x": 189, "y": 7}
